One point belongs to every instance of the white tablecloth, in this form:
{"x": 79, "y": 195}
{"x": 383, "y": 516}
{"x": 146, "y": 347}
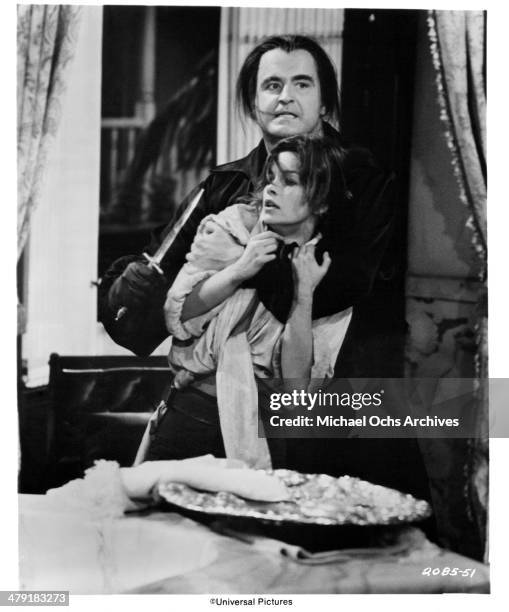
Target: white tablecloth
{"x": 69, "y": 551}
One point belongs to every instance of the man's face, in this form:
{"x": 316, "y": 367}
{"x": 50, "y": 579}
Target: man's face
{"x": 288, "y": 97}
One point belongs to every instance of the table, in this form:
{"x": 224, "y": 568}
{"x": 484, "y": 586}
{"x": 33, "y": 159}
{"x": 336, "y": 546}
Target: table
{"x": 164, "y": 552}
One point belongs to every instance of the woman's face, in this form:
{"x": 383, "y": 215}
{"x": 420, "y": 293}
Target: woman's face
{"x": 284, "y": 203}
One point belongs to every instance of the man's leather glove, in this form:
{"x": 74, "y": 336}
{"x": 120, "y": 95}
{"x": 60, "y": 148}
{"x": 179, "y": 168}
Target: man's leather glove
{"x": 138, "y": 286}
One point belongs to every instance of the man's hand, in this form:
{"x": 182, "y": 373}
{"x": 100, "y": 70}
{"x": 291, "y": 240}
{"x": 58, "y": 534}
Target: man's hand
{"x": 260, "y": 249}
{"x": 136, "y": 285}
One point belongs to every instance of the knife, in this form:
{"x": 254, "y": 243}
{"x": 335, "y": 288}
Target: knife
{"x": 154, "y": 261}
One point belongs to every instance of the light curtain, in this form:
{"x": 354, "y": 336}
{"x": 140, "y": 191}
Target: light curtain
{"x": 60, "y": 296}
{"x": 241, "y": 30}
{"x": 458, "y": 47}
{"x": 458, "y": 40}
{"x": 46, "y": 41}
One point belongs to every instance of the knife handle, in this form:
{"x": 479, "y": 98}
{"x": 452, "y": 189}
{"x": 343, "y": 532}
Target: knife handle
{"x": 152, "y": 263}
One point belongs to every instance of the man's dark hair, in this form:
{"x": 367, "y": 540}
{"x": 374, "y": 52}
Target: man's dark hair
{"x": 246, "y": 82}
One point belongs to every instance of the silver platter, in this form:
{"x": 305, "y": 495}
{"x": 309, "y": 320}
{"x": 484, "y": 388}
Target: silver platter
{"x": 315, "y": 499}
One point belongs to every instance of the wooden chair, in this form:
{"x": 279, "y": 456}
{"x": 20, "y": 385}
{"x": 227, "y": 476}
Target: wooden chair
{"x": 100, "y": 407}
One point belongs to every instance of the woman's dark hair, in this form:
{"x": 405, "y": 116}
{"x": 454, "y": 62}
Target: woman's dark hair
{"x": 246, "y": 82}
{"x": 320, "y": 160}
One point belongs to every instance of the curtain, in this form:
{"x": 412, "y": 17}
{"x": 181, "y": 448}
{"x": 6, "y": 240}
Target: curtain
{"x": 46, "y": 41}
{"x": 61, "y": 297}
{"x": 241, "y": 30}
{"x": 458, "y": 46}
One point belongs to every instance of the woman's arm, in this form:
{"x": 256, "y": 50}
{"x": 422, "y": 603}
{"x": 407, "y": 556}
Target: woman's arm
{"x": 211, "y": 292}
{"x": 297, "y": 342}
{"x": 207, "y": 295}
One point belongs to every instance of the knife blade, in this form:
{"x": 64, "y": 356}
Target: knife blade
{"x": 154, "y": 261}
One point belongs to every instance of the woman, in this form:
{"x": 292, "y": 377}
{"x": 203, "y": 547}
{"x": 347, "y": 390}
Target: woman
{"x": 224, "y": 336}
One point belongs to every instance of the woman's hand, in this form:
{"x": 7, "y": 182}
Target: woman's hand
{"x": 306, "y": 270}
{"x": 220, "y": 286}
{"x": 260, "y": 249}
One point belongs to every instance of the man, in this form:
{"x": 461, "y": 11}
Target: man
{"x": 288, "y": 86}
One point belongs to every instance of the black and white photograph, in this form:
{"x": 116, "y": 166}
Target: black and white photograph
{"x": 252, "y": 303}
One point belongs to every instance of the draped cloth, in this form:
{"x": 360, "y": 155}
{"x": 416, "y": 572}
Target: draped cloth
{"x": 458, "y": 47}
{"x": 46, "y": 42}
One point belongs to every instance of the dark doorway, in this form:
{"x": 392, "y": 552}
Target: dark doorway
{"x": 379, "y": 49}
